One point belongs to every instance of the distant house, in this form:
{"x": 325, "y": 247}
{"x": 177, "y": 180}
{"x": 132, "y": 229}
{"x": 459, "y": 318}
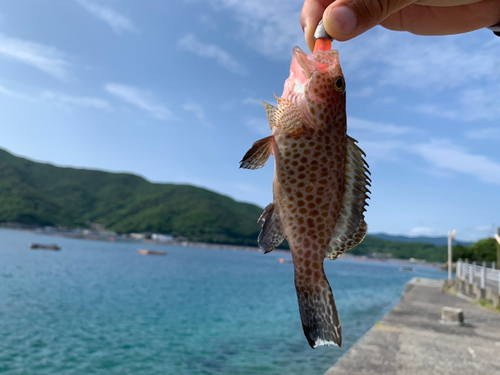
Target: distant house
{"x": 162, "y": 237}
{"x": 137, "y": 236}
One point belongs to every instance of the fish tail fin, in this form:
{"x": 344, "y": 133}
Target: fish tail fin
{"x": 320, "y": 319}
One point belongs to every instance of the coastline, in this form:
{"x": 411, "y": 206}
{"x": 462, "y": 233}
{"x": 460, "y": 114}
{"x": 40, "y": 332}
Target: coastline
{"x": 411, "y": 340}
{"x": 214, "y": 246}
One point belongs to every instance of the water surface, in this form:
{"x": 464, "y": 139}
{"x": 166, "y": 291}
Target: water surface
{"x": 101, "y": 308}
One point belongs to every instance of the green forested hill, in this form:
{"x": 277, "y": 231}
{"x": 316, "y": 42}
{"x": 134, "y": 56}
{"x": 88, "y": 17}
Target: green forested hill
{"x": 42, "y": 194}
{"x": 401, "y": 250}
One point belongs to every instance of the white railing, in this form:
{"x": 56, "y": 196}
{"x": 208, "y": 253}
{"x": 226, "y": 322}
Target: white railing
{"x": 486, "y": 276}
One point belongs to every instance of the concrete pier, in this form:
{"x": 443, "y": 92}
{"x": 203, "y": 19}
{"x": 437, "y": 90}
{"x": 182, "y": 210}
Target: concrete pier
{"x": 411, "y": 340}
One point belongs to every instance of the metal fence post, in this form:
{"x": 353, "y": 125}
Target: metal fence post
{"x": 471, "y": 274}
{"x": 483, "y": 276}
{"x": 457, "y": 271}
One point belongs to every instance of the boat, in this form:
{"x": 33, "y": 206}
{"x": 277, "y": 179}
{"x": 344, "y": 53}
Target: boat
{"x": 407, "y": 269}
{"x": 151, "y": 252}
{"x": 284, "y": 260}
{"x": 41, "y": 246}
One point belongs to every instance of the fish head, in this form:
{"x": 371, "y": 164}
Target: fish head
{"x": 316, "y": 86}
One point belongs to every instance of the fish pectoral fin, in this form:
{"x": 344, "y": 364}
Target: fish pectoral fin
{"x": 351, "y": 227}
{"x": 258, "y": 155}
{"x": 272, "y": 234}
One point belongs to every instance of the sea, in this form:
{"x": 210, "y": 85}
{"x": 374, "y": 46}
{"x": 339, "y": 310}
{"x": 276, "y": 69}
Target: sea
{"x": 102, "y": 308}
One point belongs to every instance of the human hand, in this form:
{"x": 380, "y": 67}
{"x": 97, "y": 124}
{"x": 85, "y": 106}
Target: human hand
{"x": 346, "y": 19}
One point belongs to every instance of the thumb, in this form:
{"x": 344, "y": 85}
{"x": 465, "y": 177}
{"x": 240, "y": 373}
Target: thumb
{"x": 345, "y": 19}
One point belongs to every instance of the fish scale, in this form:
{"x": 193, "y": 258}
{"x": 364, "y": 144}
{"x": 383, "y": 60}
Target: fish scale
{"x": 319, "y": 187}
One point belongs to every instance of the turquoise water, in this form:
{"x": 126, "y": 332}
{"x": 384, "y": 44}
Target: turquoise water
{"x": 101, "y": 308}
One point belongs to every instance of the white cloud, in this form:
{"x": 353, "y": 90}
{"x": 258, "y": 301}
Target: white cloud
{"x": 436, "y": 111}
{"x": 471, "y": 105}
{"x": 198, "y": 111}
{"x": 59, "y": 98}
{"x": 485, "y": 228}
{"x": 378, "y": 127}
{"x": 211, "y": 51}
{"x": 480, "y": 103}
{"x": 252, "y": 101}
{"x": 385, "y": 150}
{"x": 442, "y": 154}
{"x": 14, "y": 94}
{"x": 259, "y": 126}
{"x": 364, "y": 92}
{"x": 423, "y": 63}
{"x": 492, "y": 134}
{"x": 387, "y": 100}
{"x": 380, "y": 56}
{"x": 80, "y": 101}
{"x": 115, "y": 20}
{"x": 140, "y": 98}
{"x": 271, "y": 27}
{"x": 207, "y": 21}
{"x": 423, "y": 231}
{"x": 45, "y": 58}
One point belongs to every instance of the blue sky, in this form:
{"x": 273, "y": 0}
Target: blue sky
{"x": 171, "y": 90}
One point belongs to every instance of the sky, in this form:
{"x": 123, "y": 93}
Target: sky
{"x": 172, "y": 90}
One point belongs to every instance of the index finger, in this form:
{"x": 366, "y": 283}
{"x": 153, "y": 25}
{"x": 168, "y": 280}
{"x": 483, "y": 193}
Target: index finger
{"x": 312, "y": 13}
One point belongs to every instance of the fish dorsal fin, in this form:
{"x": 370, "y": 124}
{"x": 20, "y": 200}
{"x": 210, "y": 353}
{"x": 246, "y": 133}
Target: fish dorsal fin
{"x": 271, "y": 234}
{"x": 351, "y": 226}
{"x": 270, "y": 111}
{"x": 258, "y": 155}
{"x": 287, "y": 117}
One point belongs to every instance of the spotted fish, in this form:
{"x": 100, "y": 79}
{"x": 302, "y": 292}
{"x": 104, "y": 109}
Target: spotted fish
{"x": 320, "y": 184}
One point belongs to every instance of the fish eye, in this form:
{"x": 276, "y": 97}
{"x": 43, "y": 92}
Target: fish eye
{"x": 339, "y": 84}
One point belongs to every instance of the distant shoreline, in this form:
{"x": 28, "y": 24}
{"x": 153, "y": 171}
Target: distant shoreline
{"x": 206, "y": 245}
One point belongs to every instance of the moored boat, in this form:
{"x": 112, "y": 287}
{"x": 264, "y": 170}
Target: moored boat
{"x": 151, "y": 252}
{"x": 40, "y": 246}
{"x": 407, "y": 269}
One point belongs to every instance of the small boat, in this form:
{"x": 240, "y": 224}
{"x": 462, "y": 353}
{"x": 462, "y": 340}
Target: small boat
{"x": 407, "y": 269}
{"x": 41, "y": 246}
{"x": 151, "y": 252}
{"x": 283, "y": 260}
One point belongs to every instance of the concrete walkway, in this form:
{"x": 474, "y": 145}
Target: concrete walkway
{"x": 410, "y": 340}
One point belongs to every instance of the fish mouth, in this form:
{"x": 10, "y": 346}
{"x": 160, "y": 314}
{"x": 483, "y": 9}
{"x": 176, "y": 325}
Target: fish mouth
{"x": 303, "y": 66}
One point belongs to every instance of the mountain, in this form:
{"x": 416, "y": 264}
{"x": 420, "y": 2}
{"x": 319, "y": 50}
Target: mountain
{"x": 401, "y": 250}
{"x": 437, "y": 241}
{"x": 42, "y": 194}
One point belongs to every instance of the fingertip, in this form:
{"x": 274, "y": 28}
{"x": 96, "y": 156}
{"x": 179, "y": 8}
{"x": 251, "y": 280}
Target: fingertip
{"x": 309, "y": 36}
{"x": 340, "y": 22}
{"x": 311, "y": 14}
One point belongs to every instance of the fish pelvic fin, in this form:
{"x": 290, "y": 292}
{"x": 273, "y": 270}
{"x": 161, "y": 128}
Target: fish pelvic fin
{"x": 272, "y": 234}
{"x": 258, "y": 155}
{"x": 351, "y": 227}
{"x": 318, "y": 312}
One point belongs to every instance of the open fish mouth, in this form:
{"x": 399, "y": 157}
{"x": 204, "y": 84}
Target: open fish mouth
{"x": 303, "y": 66}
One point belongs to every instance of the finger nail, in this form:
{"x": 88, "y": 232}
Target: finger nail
{"x": 341, "y": 19}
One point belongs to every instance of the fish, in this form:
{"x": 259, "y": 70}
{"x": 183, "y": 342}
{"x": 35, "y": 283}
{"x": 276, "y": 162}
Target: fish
{"x": 320, "y": 184}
